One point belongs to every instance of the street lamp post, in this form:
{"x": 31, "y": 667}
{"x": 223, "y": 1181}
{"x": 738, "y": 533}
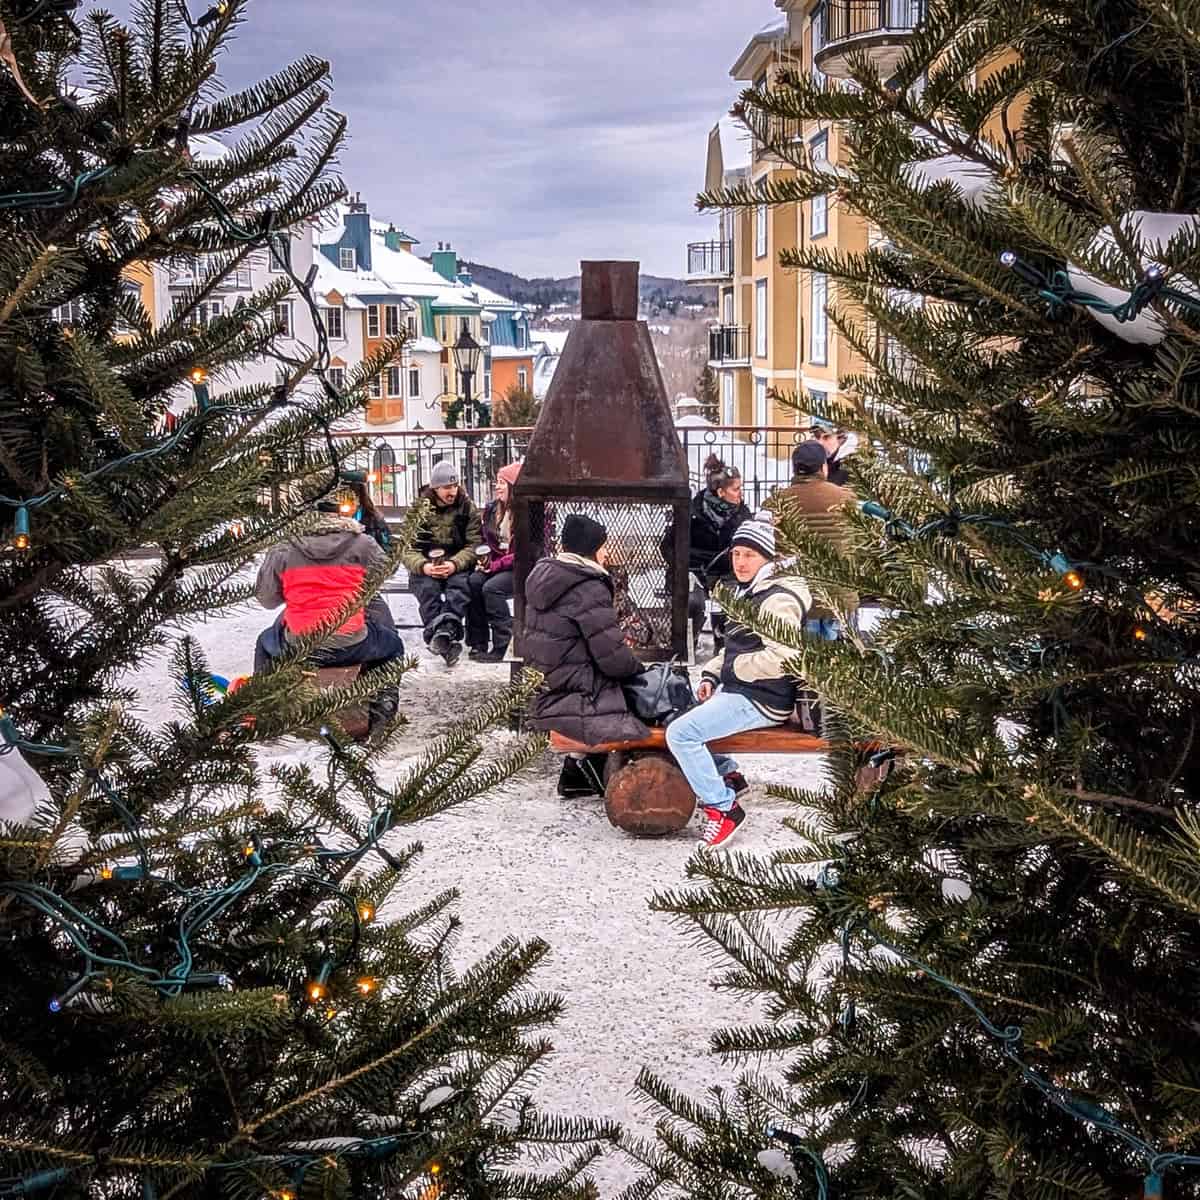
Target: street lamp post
{"x": 466, "y": 358}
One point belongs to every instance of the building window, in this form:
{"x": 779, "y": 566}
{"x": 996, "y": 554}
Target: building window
{"x": 410, "y": 325}
{"x": 71, "y": 313}
{"x": 760, "y": 231}
{"x": 414, "y": 382}
{"x": 487, "y": 385}
{"x": 727, "y": 413}
{"x": 393, "y": 381}
{"x": 445, "y": 382}
{"x": 820, "y": 215}
{"x": 283, "y": 318}
{"x": 442, "y": 336}
{"x": 347, "y": 259}
{"x": 728, "y": 303}
{"x": 818, "y": 351}
{"x": 337, "y": 376}
{"x": 464, "y": 325}
{"x": 818, "y": 147}
{"x": 376, "y": 386}
{"x": 522, "y": 378}
{"x": 819, "y": 399}
{"x": 372, "y": 320}
{"x": 279, "y": 255}
{"x": 333, "y": 323}
{"x": 760, "y": 318}
{"x": 760, "y": 402}
{"x": 391, "y": 320}
{"x": 485, "y": 333}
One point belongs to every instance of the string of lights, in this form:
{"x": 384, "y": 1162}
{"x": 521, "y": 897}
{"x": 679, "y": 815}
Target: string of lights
{"x": 799, "y": 1151}
{"x": 952, "y": 522}
{"x": 1058, "y": 292}
{"x": 204, "y": 905}
{"x": 1157, "y": 1162}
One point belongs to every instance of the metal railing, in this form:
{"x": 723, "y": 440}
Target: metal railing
{"x": 710, "y": 259}
{"x": 399, "y": 464}
{"x": 729, "y": 343}
{"x": 843, "y": 19}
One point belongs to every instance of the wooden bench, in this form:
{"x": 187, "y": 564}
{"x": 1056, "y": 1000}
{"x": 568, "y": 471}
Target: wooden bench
{"x": 646, "y": 794}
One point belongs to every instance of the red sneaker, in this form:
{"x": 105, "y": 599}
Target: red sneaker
{"x": 721, "y": 824}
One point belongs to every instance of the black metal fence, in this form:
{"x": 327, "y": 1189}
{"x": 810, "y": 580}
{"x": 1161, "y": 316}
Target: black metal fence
{"x": 710, "y": 259}
{"x": 729, "y": 343}
{"x": 852, "y": 18}
{"x": 400, "y": 464}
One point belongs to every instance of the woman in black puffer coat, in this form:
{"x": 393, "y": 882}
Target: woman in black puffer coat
{"x": 572, "y": 636}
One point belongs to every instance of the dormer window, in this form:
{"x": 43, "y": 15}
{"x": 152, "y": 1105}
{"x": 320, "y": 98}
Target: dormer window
{"x": 346, "y": 258}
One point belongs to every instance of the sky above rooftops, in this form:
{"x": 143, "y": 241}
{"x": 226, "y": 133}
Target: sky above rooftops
{"x": 530, "y": 135}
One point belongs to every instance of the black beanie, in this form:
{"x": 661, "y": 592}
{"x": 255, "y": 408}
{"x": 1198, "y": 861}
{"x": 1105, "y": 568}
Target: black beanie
{"x": 582, "y": 535}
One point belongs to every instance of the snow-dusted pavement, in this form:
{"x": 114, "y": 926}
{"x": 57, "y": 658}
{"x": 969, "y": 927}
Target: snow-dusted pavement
{"x": 526, "y": 862}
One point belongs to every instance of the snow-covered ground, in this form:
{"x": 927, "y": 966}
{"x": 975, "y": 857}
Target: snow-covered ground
{"x": 526, "y": 862}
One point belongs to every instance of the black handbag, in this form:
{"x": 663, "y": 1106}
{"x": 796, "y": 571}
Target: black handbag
{"x": 657, "y": 694}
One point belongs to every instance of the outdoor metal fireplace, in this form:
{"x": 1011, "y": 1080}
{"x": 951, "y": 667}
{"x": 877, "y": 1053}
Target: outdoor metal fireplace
{"x": 605, "y": 446}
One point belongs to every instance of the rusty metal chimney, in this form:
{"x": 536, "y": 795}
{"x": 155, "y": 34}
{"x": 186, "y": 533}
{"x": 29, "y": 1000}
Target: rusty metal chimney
{"x": 605, "y": 445}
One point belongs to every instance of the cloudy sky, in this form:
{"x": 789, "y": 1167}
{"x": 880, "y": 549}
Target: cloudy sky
{"x": 531, "y": 133}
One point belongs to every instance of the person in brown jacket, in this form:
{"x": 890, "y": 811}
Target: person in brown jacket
{"x": 818, "y": 506}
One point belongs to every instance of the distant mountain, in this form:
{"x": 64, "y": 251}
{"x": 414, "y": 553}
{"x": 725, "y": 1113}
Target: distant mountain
{"x": 658, "y": 292}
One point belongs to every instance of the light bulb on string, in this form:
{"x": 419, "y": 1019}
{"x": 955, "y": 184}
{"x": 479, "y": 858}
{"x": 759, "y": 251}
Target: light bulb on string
{"x": 199, "y": 380}
{"x": 21, "y": 529}
{"x": 366, "y": 985}
{"x": 366, "y": 911}
{"x": 1139, "y": 634}
{"x": 1074, "y": 580}
{"x": 106, "y": 872}
{"x": 318, "y": 988}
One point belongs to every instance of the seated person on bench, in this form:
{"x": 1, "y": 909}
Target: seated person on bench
{"x": 573, "y": 636}
{"x": 745, "y": 687}
{"x": 312, "y": 576}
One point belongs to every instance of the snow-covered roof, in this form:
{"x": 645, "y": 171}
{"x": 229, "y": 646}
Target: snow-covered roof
{"x": 512, "y": 352}
{"x": 553, "y": 339}
{"x": 735, "y": 143}
{"x": 423, "y": 345}
{"x": 773, "y": 31}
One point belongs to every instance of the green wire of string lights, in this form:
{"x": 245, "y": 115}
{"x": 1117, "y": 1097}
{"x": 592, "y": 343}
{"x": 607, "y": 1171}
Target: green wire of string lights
{"x": 1059, "y": 293}
{"x": 1157, "y": 1163}
{"x": 261, "y": 231}
{"x": 204, "y": 905}
{"x": 950, "y": 524}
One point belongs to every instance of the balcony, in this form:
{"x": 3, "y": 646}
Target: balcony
{"x": 710, "y": 262}
{"x": 729, "y": 345}
{"x": 782, "y": 134}
{"x": 879, "y": 29}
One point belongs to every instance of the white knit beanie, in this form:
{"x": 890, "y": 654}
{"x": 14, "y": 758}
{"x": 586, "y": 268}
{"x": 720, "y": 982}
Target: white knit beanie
{"x": 757, "y": 535}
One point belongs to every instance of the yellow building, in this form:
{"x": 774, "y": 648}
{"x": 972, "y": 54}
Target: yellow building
{"x": 774, "y": 333}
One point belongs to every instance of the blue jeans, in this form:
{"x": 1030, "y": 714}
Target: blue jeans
{"x": 825, "y": 629}
{"x": 719, "y": 716}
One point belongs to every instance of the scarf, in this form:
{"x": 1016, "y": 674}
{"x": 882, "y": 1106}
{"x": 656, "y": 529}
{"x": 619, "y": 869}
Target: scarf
{"x": 716, "y": 511}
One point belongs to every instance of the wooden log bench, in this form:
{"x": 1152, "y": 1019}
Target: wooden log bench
{"x": 356, "y": 718}
{"x": 645, "y": 792}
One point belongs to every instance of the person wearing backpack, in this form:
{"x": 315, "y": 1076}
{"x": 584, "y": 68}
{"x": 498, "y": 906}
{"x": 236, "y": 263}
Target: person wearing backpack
{"x": 745, "y": 687}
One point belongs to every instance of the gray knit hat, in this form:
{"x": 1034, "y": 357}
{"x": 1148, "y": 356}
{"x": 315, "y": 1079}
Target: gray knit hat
{"x": 443, "y": 474}
{"x": 757, "y": 535}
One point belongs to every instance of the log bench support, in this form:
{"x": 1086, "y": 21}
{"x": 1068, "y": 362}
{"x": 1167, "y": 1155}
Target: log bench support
{"x": 355, "y": 719}
{"x": 643, "y": 778}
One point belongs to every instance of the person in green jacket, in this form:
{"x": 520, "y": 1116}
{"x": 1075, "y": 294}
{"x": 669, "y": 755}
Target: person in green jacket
{"x": 440, "y": 561}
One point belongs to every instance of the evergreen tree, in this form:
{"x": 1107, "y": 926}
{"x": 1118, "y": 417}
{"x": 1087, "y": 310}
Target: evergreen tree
{"x": 708, "y": 393}
{"x": 197, "y": 997}
{"x": 518, "y": 408}
{"x": 981, "y": 975}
